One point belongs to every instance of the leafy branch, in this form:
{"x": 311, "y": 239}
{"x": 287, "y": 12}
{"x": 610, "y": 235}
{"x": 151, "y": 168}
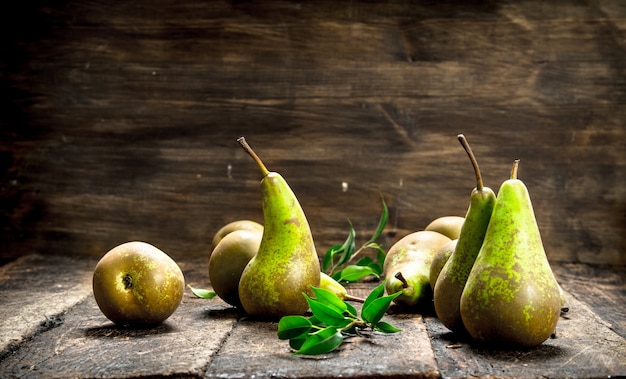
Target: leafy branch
{"x": 337, "y": 258}
{"x": 333, "y": 320}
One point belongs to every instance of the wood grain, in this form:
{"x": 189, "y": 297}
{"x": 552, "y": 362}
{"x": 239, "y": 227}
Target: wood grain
{"x": 119, "y": 121}
{"x": 210, "y": 339}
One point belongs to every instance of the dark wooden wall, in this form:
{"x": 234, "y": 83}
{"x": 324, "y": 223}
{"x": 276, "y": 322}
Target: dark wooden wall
{"x": 119, "y": 119}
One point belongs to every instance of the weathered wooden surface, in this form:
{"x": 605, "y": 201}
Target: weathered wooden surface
{"x": 210, "y": 339}
{"x": 118, "y": 121}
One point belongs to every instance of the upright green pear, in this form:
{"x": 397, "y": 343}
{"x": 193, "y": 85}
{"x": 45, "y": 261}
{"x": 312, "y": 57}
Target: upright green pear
{"x": 511, "y": 295}
{"x": 287, "y": 264}
{"x": 453, "y": 276}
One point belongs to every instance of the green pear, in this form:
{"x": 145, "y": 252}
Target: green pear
{"x": 233, "y": 226}
{"x": 451, "y": 281}
{"x": 328, "y": 283}
{"x": 287, "y": 264}
{"x": 407, "y": 268}
{"x": 228, "y": 260}
{"x": 449, "y": 226}
{"x": 511, "y": 295}
{"x": 441, "y": 257}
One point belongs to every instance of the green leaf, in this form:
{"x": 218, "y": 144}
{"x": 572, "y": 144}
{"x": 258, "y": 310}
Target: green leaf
{"x": 348, "y": 246}
{"x": 382, "y": 222}
{"x": 375, "y": 294}
{"x": 297, "y": 342}
{"x": 351, "y": 310}
{"x": 385, "y": 327}
{"x": 293, "y": 326}
{"x": 202, "y": 293}
{"x": 329, "y": 298}
{"x": 381, "y": 255}
{"x": 327, "y": 314}
{"x": 365, "y": 261}
{"x": 329, "y": 257}
{"x": 324, "y": 341}
{"x": 377, "y": 309}
{"x": 353, "y": 273}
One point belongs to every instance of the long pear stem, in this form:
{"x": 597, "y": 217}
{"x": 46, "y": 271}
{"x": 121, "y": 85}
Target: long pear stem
{"x": 248, "y": 149}
{"x": 468, "y": 149}
{"x": 514, "y": 169}
{"x": 354, "y": 298}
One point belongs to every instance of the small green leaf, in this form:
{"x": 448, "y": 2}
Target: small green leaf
{"x": 351, "y": 310}
{"x": 329, "y": 257}
{"x": 348, "y": 246}
{"x": 353, "y": 273}
{"x": 365, "y": 261}
{"x": 324, "y": 341}
{"x": 377, "y": 308}
{"x": 329, "y": 298}
{"x": 297, "y": 342}
{"x": 381, "y": 255}
{"x": 385, "y": 327}
{"x": 375, "y": 294}
{"x": 327, "y": 314}
{"x": 293, "y": 326}
{"x": 382, "y": 222}
{"x": 202, "y": 293}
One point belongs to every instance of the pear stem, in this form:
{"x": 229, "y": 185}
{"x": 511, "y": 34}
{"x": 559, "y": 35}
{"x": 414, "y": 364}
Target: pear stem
{"x": 354, "y": 298}
{"x": 468, "y": 150}
{"x": 401, "y": 278}
{"x": 514, "y": 169}
{"x": 248, "y": 149}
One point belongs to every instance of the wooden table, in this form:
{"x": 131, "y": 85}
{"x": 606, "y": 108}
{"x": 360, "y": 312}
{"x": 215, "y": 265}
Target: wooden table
{"x": 51, "y": 327}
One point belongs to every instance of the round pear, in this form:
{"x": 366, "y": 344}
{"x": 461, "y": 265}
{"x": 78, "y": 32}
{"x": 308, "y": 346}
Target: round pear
{"x": 236, "y": 225}
{"x": 449, "y": 226}
{"x": 439, "y": 260}
{"x": 228, "y": 260}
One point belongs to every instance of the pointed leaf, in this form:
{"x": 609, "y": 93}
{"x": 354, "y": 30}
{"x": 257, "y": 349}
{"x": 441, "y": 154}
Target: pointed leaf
{"x": 375, "y": 294}
{"x": 297, "y": 342}
{"x": 353, "y": 273}
{"x": 381, "y": 255}
{"x": 202, "y": 293}
{"x": 293, "y": 326}
{"x": 377, "y": 308}
{"x": 329, "y": 298}
{"x": 351, "y": 310}
{"x": 326, "y": 314}
{"x": 329, "y": 257}
{"x": 382, "y": 222}
{"x": 324, "y": 341}
{"x": 365, "y": 261}
{"x": 348, "y": 246}
{"x": 385, "y": 327}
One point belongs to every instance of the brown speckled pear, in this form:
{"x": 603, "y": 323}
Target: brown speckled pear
{"x": 287, "y": 264}
{"x": 511, "y": 295}
{"x": 453, "y": 275}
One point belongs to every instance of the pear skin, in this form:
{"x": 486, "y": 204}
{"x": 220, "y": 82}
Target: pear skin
{"x": 449, "y": 226}
{"x": 287, "y": 264}
{"x": 439, "y": 260}
{"x": 234, "y": 226}
{"x": 407, "y": 268}
{"x": 511, "y": 295}
{"x": 228, "y": 260}
{"x": 453, "y": 276}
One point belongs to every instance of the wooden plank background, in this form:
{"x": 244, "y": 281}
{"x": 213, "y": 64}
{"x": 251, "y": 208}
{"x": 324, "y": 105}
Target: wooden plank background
{"x": 119, "y": 120}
